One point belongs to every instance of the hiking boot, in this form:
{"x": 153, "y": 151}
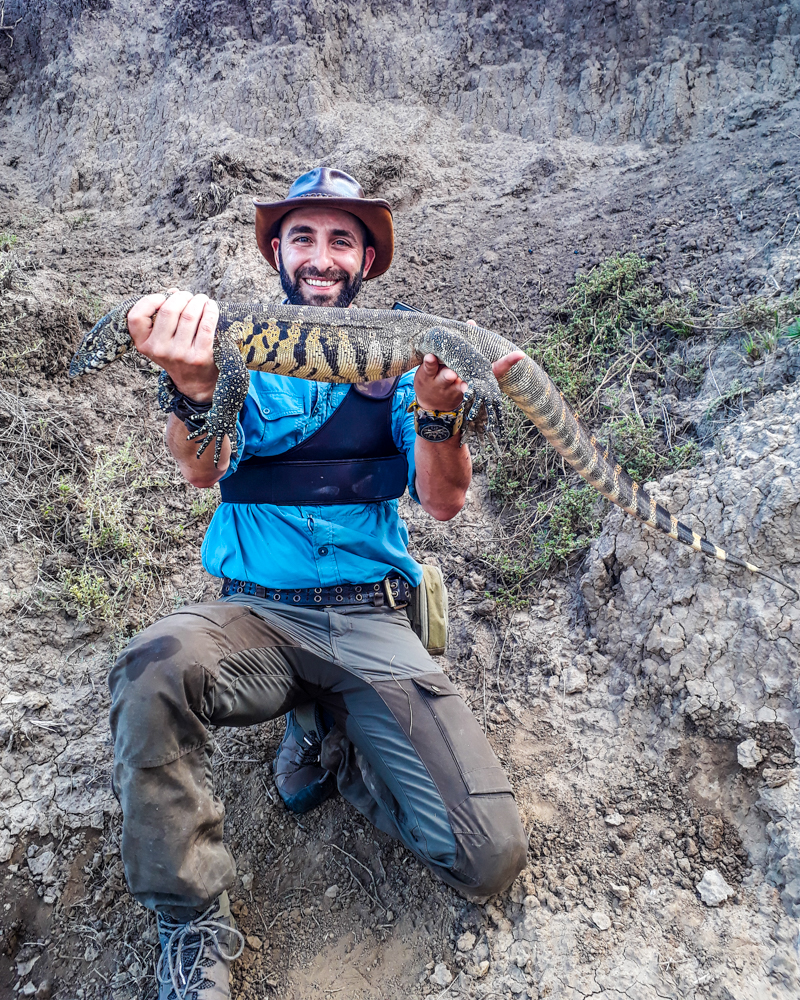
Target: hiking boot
{"x": 301, "y": 780}
{"x": 196, "y": 956}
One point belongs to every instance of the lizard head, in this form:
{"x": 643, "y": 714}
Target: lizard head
{"x": 105, "y": 342}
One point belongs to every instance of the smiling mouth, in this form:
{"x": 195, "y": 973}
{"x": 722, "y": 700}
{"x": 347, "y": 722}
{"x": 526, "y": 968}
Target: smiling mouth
{"x": 321, "y": 282}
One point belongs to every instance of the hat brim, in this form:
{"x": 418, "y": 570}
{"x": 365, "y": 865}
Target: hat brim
{"x": 374, "y": 213}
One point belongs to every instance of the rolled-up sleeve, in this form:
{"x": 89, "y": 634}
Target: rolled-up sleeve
{"x": 403, "y": 430}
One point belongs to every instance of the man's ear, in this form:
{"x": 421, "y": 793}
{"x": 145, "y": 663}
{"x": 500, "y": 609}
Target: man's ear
{"x": 369, "y": 259}
{"x": 276, "y": 249}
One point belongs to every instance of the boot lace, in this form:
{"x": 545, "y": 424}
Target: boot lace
{"x": 310, "y": 749}
{"x": 186, "y": 944}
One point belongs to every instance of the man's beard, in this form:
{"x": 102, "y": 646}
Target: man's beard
{"x": 294, "y": 294}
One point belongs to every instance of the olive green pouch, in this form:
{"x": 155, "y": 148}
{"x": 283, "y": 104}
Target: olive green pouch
{"x": 428, "y": 610}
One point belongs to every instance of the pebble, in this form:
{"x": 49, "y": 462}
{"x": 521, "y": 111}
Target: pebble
{"x": 614, "y": 819}
{"x": 601, "y": 920}
{"x": 749, "y": 754}
{"x": 712, "y": 888}
{"x": 254, "y": 943}
{"x": 441, "y": 975}
{"x": 622, "y": 892}
{"x": 466, "y": 942}
{"x": 247, "y": 881}
{"x": 332, "y": 891}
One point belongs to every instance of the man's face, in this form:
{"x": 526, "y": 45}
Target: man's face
{"x": 322, "y": 256}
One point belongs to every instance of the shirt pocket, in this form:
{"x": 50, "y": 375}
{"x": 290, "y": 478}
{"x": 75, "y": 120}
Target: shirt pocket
{"x": 273, "y": 422}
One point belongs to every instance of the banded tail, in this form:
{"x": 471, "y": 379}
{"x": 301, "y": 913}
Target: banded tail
{"x": 537, "y": 396}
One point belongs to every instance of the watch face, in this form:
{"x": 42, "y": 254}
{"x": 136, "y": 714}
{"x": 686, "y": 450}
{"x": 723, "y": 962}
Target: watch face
{"x": 435, "y": 432}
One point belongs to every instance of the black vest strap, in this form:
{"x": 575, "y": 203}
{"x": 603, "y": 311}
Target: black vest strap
{"x": 351, "y": 458}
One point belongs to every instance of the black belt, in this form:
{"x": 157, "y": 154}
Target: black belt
{"x": 392, "y": 591}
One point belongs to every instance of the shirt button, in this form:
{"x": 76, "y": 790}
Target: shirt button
{"x": 323, "y": 550}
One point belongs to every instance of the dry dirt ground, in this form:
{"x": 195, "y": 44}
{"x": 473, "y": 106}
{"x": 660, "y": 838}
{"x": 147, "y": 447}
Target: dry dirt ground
{"x": 520, "y": 143}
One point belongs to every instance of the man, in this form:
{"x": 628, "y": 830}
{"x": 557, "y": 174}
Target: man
{"x": 312, "y": 622}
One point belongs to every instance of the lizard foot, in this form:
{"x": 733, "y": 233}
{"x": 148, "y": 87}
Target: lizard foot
{"x": 216, "y": 425}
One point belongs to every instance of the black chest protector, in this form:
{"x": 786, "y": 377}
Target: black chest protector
{"x": 351, "y": 458}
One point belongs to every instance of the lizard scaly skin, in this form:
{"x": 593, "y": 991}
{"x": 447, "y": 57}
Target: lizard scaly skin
{"x": 363, "y": 345}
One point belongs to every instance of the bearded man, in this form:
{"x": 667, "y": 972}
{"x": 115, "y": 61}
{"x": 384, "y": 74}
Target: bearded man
{"x": 312, "y": 622}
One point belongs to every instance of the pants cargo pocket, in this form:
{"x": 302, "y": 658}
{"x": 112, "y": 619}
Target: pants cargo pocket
{"x": 473, "y": 760}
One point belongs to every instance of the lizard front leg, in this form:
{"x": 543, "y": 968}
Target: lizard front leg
{"x": 471, "y": 367}
{"x": 230, "y": 393}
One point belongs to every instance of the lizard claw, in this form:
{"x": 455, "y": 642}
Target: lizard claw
{"x": 483, "y": 394}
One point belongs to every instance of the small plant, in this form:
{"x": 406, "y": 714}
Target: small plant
{"x": 205, "y": 503}
{"x": 8, "y": 241}
{"x": 573, "y": 520}
{"x": 84, "y": 594}
{"x": 639, "y": 447}
{"x": 760, "y": 343}
{"x": 736, "y": 390}
{"x": 79, "y": 220}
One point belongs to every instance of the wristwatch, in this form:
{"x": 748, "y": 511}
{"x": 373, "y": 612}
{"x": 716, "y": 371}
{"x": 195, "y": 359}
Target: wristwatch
{"x": 437, "y": 425}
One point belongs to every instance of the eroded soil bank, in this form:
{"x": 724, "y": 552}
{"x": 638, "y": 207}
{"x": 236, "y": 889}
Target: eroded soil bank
{"x": 521, "y": 143}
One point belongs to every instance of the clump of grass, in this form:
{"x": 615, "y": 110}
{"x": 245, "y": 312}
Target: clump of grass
{"x": 760, "y": 343}
{"x": 561, "y": 525}
{"x": 635, "y": 443}
{"x": 107, "y": 526}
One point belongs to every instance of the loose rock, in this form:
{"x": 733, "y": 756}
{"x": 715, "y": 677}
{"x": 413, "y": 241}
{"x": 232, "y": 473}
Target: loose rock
{"x": 601, "y": 920}
{"x": 713, "y": 889}
{"x": 441, "y": 975}
{"x": 749, "y": 754}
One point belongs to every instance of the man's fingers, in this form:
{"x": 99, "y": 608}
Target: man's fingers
{"x": 505, "y": 364}
{"x": 203, "y": 347}
{"x": 190, "y": 318}
{"x": 166, "y": 323}
{"x": 140, "y": 317}
{"x": 430, "y": 365}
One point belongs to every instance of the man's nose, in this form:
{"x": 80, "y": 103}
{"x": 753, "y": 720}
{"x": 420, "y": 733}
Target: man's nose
{"x": 321, "y": 257}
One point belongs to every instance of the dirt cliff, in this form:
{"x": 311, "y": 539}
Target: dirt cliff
{"x": 644, "y": 701}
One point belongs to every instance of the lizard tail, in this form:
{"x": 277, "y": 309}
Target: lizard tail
{"x": 537, "y": 396}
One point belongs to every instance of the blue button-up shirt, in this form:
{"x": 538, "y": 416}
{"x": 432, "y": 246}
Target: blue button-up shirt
{"x": 308, "y": 546}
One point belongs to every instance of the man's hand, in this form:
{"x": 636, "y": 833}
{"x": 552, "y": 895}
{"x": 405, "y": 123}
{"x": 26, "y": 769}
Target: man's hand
{"x": 176, "y": 332}
{"x": 439, "y": 388}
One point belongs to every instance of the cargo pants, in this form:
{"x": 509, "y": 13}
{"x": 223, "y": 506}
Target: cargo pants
{"x": 405, "y": 749}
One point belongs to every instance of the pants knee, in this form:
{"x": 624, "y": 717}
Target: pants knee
{"x": 157, "y": 689}
{"x": 494, "y": 859}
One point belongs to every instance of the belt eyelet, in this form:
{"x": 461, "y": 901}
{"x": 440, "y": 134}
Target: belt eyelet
{"x": 317, "y": 590}
{"x": 357, "y": 590}
{"x": 276, "y": 597}
{"x": 339, "y": 597}
{"x": 296, "y": 598}
{"x": 317, "y": 600}
{"x": 359, "y": 597}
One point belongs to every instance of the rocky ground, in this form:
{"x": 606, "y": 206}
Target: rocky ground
{"x": 645, "y": 702}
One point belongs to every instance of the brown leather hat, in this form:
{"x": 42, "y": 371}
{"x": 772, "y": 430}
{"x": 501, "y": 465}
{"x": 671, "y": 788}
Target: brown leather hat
{"x": 333, "y": 189}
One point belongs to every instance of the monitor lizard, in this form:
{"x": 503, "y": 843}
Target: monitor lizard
{"x": 362, "y": 345}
